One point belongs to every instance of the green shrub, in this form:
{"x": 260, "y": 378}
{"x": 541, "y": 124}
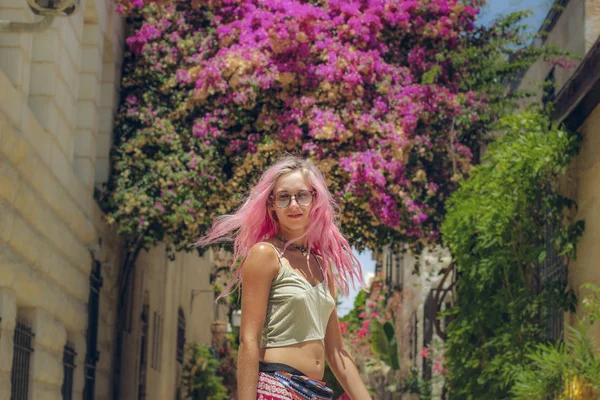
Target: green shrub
{"x": 200, "y": 379}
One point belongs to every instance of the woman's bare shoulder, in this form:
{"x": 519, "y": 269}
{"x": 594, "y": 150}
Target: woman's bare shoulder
{"x": 262, "y": 259}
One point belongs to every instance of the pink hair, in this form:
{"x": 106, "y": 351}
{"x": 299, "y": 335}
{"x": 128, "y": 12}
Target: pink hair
{"x": 253, "y": 223}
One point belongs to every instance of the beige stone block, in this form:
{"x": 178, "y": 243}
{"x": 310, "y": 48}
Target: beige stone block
{"x": 91, "y": 61}
{"x": 14, "y": 13}
{"x": 46, "y": 46}
{"x": 85, "y": 143}
{"x": 107, "y": 95}
{"x": 86, "y": 115}
{"x": 589, "y": 154}
{"x": 35, "y": 292}
{"x": 50, "y": 334}
{"x": 13, "y": 4}
{"x": 14, "y": 147}
{"x": 102, "y": 169}
{"x": 76, "y": 22}
{"x": 45, "y": 110}
{"x": 92, "y": 35}
{"x": 71, "y": 42}
{"x": 43, "y": 79}
{"x": 8, "y": 310}
{"x": 103, "y": 145}
{"x": 60, "y": 165}
{"x": 84, "y": 169}
{"x": 108, "y": 73}
{"x": 42, "y": 392}
{"x": 11, "y": 63}
{"x": 12, "y": 40}
{"x": 88, "y": 86}
{"x": 106, "y": 121}
{"x": 69, "y": 71}
{"x": 36, "y": 136}
{"x": 66, "y": 139}
{"x": 26, "y": 204}
{"x": 7, "y": 219}
{"x": 5, "y": 380}
{"x": 11, "y": 101}
{"x": 73, "y": 278}
{"x": 25, "y": 241}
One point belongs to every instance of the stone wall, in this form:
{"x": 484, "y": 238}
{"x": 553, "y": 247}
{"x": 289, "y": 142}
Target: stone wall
{"x": 584, "y": 189}
{"x": 55, "y": 85}
{"x": 568, "y": 34}
{"x": 167, "y": 286}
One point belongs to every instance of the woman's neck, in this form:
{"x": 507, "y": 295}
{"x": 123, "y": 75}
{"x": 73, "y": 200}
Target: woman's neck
{"x": 287, "y": 234}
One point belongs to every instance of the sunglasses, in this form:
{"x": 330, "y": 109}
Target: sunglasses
{"x": 303, "y": 198}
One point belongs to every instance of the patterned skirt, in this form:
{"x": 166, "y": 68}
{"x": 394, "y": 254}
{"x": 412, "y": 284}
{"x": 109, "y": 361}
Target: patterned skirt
{"x": 288, "y": 384}
{"x": 269, "y": 388}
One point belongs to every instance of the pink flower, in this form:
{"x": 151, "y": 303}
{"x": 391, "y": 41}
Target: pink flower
{"x": 159, "y": 207}
{"x": 344, "y": 328}
{"x": 425, "y": 353}
{"x": 437, "y": 368}
{"x": 361, "y": 315}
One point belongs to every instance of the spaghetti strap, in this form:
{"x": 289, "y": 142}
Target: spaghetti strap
{"x": 320, "y": 266}
{"x": 276, "y": 252}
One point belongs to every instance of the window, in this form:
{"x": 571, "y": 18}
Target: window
{"x": 180, "y": 336}
{"x": 69, "y": 369}
{"x": 553, "y": 269}
{"x": 92, "y": 355}
{"x": 157, "y": 323}
{"x": 21, "y": 361}
{"x": 399, "y": 272}
{"x": 388, "y": 266}
{"x": 143, "y": 351}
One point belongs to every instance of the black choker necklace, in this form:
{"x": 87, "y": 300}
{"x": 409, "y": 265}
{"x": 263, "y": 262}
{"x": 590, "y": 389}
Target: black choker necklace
{"x": 302, "y": 250}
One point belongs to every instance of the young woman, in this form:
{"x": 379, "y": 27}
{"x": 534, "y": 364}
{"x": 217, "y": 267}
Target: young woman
{"x": 286, "y": 235}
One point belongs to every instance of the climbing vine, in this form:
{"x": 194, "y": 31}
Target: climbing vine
{"x": 500, "y": 227}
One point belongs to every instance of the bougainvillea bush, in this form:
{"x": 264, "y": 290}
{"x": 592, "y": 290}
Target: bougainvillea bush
{"x": 389, "y": 98}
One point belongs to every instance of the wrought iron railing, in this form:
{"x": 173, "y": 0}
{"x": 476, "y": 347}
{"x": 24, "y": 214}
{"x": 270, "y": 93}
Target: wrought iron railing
{"x": 69, "y": 355}
{"x": 180, "y": 336}
{"x": 21, "y": 361}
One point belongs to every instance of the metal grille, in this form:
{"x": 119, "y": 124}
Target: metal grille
{"x": 388, "y": 267}
{"x": 399, "y": 275}
{"x": 21, "y": 362}
{"x": 69, "y": 355}
{"x": 553, "y": 268}
{"x": 92, "y": 355}
{"x": 143, "y": 352}
{"x": 180, "y": 336}
{"x": 429, "y": 315}
{"x": 414, "y": 338}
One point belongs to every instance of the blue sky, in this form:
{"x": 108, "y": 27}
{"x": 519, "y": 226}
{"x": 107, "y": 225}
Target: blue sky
{"x": 493, "y": 9}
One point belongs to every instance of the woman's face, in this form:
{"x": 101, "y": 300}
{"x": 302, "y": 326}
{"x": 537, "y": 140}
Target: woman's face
{"x": 292, "y": 187}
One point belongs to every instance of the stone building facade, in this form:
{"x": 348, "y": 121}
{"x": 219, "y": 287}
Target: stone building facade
{"x": 572, "y": 25}
{"x": 575, "y": 26}
{"x": 59, "y": 261}
{"x": 419, "y": 288}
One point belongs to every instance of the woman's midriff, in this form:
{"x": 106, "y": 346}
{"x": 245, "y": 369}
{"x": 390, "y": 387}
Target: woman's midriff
{"x": 308, "y": 357}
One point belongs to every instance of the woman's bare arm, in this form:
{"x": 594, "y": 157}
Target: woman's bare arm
{"x": 258, "y": 270}
{"x": 339, "y": 359}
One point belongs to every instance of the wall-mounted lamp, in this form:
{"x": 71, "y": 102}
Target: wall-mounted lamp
{"x": 236, "y": 318}
{"x": 46, "y": 8}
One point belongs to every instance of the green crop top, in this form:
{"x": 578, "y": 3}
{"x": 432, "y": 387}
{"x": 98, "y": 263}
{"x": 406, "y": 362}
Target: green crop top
{"x": 297, "y": 311}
